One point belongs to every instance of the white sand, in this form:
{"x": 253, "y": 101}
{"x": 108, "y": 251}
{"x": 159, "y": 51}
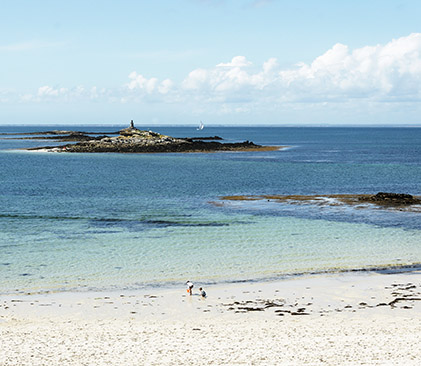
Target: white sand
{"x": 345, "y": 325}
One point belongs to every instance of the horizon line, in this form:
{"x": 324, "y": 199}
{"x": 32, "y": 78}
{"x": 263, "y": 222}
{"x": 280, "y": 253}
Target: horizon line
{"x": 319, "y": 125}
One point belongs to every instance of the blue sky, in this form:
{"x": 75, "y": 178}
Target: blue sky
{"x": 222, "y": 61}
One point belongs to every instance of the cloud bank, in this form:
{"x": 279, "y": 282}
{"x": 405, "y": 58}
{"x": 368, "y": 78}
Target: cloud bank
{"x": 389, "y": 73}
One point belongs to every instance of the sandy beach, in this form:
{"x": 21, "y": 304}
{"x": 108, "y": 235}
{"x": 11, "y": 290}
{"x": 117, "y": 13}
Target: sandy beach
{"x": 336, "y": 319}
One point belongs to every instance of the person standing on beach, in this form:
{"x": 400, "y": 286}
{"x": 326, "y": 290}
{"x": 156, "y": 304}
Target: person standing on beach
{"x": 190, "y": 287}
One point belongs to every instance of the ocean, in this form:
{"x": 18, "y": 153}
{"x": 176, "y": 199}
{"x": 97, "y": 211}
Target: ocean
{"x": 78, "y": 222}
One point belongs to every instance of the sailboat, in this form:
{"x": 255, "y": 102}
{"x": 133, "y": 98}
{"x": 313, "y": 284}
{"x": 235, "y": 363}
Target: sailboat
{"x": 201, "y": 126}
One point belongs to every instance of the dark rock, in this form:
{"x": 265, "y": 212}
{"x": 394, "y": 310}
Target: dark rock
{"x": 204, "y": 138}
{"x": 176, "y": 146}
{"x": 133, "y": 140}
{"x": 391, "y": 199}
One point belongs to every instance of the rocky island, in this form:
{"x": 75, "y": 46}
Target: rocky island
{"x": 133, "y": 140}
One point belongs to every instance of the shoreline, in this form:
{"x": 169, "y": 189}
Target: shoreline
{"x": 330, "y": 284}
{"x": 173, "y": 285}
{"x": 351, "y": 318}
{"x": 68, "y": 149}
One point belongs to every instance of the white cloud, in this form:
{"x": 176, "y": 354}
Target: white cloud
{"x": 230, "y": 77}
{"x": 388, "y": 71}
{"x": 48, "y": 91}
{"x": 78, "y": 93}
{"x": 345, "y": 77}
{"x": 196, "y": 79}
{"x": 166, "y": 86}
{"x": 139, "y": 83}
{"x": 381, "y": 72}
{"x": 237, "y": 61}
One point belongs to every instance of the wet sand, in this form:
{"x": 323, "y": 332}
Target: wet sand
{"x": 338, "y": 319}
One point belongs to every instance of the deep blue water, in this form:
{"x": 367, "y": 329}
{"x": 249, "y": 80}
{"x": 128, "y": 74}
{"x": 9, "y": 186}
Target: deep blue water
{"x": 76, "y": 209}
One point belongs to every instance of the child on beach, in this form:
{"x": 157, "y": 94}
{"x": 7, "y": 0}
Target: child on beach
{"x": 202, "y": 292}
{"x": 189, "y": 287}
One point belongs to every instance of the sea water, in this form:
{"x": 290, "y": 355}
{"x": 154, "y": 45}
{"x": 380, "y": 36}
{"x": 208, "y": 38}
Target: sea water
{"x": 127, "y": 221}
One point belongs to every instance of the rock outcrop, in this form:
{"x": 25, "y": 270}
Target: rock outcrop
{"x": 133, "y": 140}
{"x": 149, "y": 143}
{"x": 391, "y": 199}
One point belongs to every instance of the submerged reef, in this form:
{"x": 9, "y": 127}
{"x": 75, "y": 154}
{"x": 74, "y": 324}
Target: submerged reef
{"x": 399, "y": 201}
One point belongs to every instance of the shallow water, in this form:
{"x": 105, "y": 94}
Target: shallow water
{"x": 103, "y": 221}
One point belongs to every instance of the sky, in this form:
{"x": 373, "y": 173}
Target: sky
{"x": 225, "y": 62}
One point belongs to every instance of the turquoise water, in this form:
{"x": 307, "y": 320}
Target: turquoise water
{"x": 111, "y": 221}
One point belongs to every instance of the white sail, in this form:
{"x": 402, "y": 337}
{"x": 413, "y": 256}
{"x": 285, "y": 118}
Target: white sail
{"x": 201, "y": 126}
